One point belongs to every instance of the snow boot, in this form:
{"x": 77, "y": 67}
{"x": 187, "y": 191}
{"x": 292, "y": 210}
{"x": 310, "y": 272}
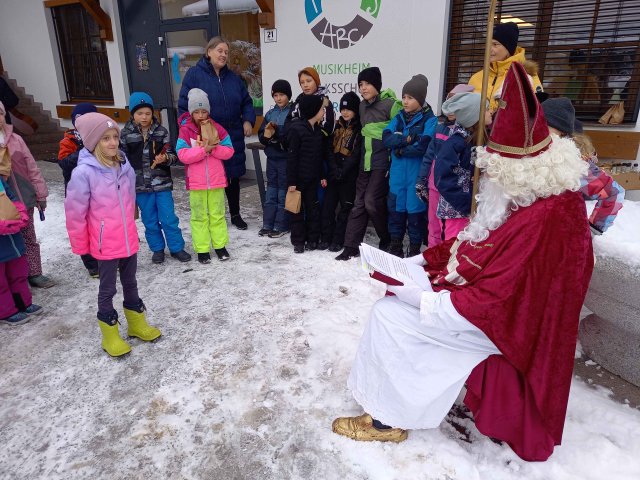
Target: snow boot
{"x": 138, "y": 326}
{"x": 238, "y": 222}
{"x": 395, "y": 248}
{"x": 204, "y": 258}
{"x": 222, "y": 254}
{"x": 348, "y": 253}
{"x": 157, "y": 257}
{"x": 111, "y": 341}
{"x": 181, "y": 256}
{"x": 41, "y": 281}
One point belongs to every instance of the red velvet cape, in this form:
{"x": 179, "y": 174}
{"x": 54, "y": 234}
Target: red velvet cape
{"x": 523, "y": 287}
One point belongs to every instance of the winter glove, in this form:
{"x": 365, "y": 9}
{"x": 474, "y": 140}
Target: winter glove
{"x": 409, "y": 293}
{"x": 416, "y": 260}
{"x": 422, "y": 191}
{"x": 41, "y": 205}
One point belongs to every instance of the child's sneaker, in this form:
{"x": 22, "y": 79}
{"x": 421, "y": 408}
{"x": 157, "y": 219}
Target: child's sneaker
{"x": 265, "y": 232}
{"x": 182, "y": 256}
{"x": 277, "y": 234}
{"x": 158, "y": 257}
{"x": 222, "y": 254}
{"x": 16, "y": 319}
{"x": 204, "y": 258}
{"x": 41, "y": 281}
{"x": 33, "y": 309}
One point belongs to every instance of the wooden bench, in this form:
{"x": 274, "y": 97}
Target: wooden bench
{"x": 618, "y": 147}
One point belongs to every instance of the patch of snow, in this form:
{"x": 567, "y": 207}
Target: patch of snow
{"x": 245, "y": 381}
{"x": 622, "y": 240}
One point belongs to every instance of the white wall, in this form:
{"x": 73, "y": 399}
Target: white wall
{"x": 407, "y": 37}
{"x": 30, "y": 53}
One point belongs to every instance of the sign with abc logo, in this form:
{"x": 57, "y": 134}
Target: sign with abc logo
{"x": 341, "y": 36}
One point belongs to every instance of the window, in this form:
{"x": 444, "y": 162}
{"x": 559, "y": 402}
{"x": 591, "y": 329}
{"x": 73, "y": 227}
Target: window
{"x": 83, "y": 55}
{"x": 587, "y": 50}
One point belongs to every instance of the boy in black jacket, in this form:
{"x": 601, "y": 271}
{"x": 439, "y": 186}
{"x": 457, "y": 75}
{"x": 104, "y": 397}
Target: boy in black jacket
{"x": 343, "y": 173}
{"x": 307, "y": 151}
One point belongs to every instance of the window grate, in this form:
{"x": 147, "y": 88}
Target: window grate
{"x": 587, "y": 50}
{"x": 83, "y": 54}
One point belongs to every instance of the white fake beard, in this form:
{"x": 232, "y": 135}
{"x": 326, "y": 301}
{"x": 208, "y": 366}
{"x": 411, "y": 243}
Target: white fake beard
{"x": 509, "y": 183}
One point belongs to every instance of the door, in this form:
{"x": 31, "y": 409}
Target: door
{"x": 162, "y": 39}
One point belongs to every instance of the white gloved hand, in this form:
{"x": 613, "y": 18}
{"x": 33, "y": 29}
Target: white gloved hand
{"x": 409, "y": 293}
{"x": 416, "y": 260}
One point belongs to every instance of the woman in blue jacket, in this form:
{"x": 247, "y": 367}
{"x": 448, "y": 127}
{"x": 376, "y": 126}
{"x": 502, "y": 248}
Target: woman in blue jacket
{"x": 231, "y": 107}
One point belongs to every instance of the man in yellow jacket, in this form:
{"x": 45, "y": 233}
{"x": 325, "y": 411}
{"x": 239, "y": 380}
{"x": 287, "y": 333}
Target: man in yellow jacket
{"x": 504, "y": 51}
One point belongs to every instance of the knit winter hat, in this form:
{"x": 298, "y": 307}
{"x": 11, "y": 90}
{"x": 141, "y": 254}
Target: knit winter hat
{"x": 281, "y": 86}
{"x": 350, "y": 101}
{"x": 91, "y": 126}
{"x": 577, "y": 126}
{"x": 198, "y": 99}
{"x": 507, "y": 34}
{"x": 560, "y": 114}
{"x": 81, "y": 109}
{"x": 417, "y": 88}
{"x": 465, "y": 106}
{"x": 371, "y": 75}
{"x": 138, "y": 100}
{"x": 309, "y": 105}
{"x": 312, "y": 72}
{"x": 460, "y": 88}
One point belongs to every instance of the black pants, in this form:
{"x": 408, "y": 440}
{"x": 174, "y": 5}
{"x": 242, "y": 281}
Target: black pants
{"x": 90, "y": 263}
{"x": 233, "y": 196}
{"x": 341, "y": 193}
{"x": 305, "y": 225}
{"x": 370, "y": 204}
{"x": 108, "y": 274}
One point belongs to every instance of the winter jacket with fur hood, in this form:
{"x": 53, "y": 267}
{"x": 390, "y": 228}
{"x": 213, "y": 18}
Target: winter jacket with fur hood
{"x": 497, "y": 73}
{"x": 100, "y": 209}
{"x": 202, "y": 171}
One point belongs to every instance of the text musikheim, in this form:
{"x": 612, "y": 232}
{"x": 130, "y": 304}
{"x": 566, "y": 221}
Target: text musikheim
{"x": 341, "y": 68}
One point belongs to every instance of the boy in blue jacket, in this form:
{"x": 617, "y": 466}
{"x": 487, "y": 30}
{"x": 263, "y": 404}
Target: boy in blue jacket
{"x": 407, "y": 136}
{"x": 275, "y": 220}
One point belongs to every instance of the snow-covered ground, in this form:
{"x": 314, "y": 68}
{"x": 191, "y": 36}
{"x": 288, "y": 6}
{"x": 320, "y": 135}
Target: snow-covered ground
{"x": 244, "y": 383}
{"x": 622, "y": 239}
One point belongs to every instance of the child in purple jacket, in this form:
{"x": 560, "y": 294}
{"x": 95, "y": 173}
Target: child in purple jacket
{"x": 100, "y": 207}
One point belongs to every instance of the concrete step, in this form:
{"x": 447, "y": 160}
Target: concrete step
{"x": 43, "y": 137}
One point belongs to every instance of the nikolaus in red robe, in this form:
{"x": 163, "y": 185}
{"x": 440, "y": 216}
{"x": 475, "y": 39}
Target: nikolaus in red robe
{"x": 503, "y": 316}
{"x": 523, "y": 287}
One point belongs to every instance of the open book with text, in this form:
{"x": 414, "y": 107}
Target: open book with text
{"x": 390, "y": 269}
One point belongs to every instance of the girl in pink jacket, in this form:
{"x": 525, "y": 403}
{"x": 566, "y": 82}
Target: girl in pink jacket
{"x": 28, "y": 184}
{"x": 202, "y": 146}
{"x": 100, "y": 207}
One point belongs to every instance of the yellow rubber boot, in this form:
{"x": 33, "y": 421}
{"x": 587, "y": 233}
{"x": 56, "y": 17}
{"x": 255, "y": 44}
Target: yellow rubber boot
{"x": 111, "y": 341}
{"x": 138, "y": 326}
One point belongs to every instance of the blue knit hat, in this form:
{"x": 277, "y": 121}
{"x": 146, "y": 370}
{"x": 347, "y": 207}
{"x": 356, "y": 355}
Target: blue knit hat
{"x": 81, "y": 109}
{"x": 138, "y": 100}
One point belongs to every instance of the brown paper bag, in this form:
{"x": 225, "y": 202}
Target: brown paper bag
{"x": 8, "y": 210}
{"x": 613, "y": 116}
{"x": 293, "y": 201}
{"x": 209, "y": 133}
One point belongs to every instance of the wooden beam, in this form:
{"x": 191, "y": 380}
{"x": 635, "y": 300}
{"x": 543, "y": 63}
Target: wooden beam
{"x": 267, "y": 15}
{"x": 103, "y": 20}
{"x": 59, "y": 3}
{"x": 617, "y": 145}
{"x": 266, "y": 6}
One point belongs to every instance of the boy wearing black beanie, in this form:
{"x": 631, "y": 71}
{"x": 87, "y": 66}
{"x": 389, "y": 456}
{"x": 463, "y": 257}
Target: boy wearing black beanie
{"x": 275, "y": 220}
{"x": 376, "y": 109}
{"x": 308, "y": 151}
{"x": 343, "y": 173}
